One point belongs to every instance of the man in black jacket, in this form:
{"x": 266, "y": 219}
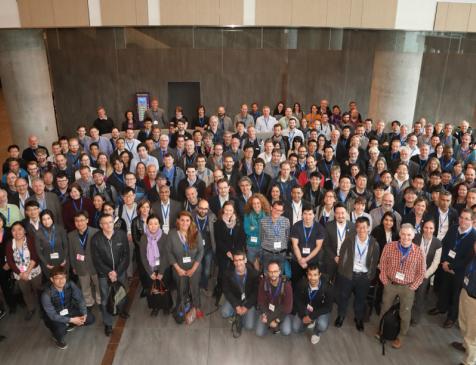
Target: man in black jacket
{"x": 110, "y": 252}
{"x": 240, "y": 287}
{"x": 358, "y": 260}
{"x": 313, "y": 300}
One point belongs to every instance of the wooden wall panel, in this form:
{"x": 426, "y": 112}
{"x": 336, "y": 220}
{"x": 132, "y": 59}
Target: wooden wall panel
{"x": 231, "y": 12}
{"x": 379, "y": 14}
{"x": 142, "y": 12}
{"x": 118, "y": 12}
{"x": 273, "y": 12}
{"x": 208, "y": 12}
{"x": 71, "y": 13}
{"x": 441, "y": 15}
{"x": 458, "y": 17}
{"x": 339, "y": 13}
{"x": 36, "y": 13}
{"x": 472, "y": 19}
{"x": 309, "y": 13}
{"x": 356, "y": 9}
{"x": 177, "y": 12}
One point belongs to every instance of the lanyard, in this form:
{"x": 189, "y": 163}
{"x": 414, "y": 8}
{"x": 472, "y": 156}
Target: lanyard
{"x": 61, "y": 297}
{"x": 184, "y": 243}
{"x": 276, "y": 291}
{"x": 51, "y": 238}
{"x": 312, "y": 293}
{"x": 471, "y": 268}
{"x": 328, "y": 168}
{"x": 22, "y": 254}
{"x": 83, "y": 241}
{"x": 458, "y": 240}
{"x": 266, "y": 121}
{"x": 405, "y": 251}
{"x": 296, "y": 211}
{"x": 165, "y": 212}
{"x": 80, "y": 205}
{"x": 260, "y": 182}
{"x": 362, "y": 253}
{"x": 129, "y": 146}
{"x": 426, "y": 245}
{"x": 445, "y": 218}
{"x": 276, "y": 229}
{"x": 120, "y": 177}
{"x": 241, "y": 283}
{"x": 190, "y": 161}
{"x": 341, "y": 234}
{"x": 201, "y": 227}
{"x": 130, "y": 217}
{"x": 307, "y": 235}
{"x": 8, "y": 215}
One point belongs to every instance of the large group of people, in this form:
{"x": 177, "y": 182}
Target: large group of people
{"x": 297, "y": 212}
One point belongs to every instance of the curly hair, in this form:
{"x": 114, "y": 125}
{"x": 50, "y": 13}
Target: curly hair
{"x": 264, "y": 204}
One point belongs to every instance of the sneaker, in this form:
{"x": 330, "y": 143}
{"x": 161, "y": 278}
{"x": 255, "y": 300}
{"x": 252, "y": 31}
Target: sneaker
{"x": 315, "y": 339}
{"x": 70, "y": 327}
{"x": 311, "y": 325}
{"x": 200, "y": 314}
{"x": 61, "y": 345}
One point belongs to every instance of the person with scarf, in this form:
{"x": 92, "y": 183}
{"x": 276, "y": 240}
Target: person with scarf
{"x": 255, "y": 210}
{"x": 153, "y": 256}
{"x": 229, "y": 237}
{"x": 51, "y": 243}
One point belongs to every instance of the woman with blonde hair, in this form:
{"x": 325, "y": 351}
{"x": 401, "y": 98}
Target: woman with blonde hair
{"x": 185, "y": 254}
{"x": 256, "y": 209}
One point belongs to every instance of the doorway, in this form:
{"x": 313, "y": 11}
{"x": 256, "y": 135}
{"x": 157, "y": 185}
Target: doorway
{"x": 185, "y": 94}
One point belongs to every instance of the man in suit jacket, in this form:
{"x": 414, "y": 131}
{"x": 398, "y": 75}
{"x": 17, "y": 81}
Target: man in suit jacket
{"x": 156, "y": 114}
{"x": 166, "y": 209}
{"x": 191, "y": 180}
{"x": 431, "y": 247}
{"x": 163, "y": 149}
{"x": 224, "y": 195}
{"x": 293, "y": 209}
{"x": 46, "y": 200}
{"x": 357, "y": 267}
{"x": 79, "y": 248}
{"x": 444, "y": 215}
{"x": 413, "y": 167}
{"x": 335, "y": 234}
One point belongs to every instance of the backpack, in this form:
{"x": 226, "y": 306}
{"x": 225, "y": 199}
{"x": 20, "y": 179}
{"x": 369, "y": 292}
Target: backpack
{"x": 389, "y": 326}
{"x": 116, "y": 298}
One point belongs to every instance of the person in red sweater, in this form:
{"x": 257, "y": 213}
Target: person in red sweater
{"x": 275, "y": 302}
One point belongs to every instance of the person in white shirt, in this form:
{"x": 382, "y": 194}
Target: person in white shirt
{"x": 144, "y": 157}
{"x": 291, "y": 132}
{"x": 131, "y": 143}
{"x": 266, "y": 122}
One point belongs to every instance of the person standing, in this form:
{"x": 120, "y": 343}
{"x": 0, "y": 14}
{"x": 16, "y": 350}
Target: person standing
{"x": 402, "y": 270}
{"x": 110, "y": 252}
{"x": 358, "y": 260}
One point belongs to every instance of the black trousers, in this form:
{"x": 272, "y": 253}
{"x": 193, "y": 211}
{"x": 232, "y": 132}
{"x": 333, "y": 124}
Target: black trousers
{"x": 448, "y": 294}
{"x": 59, "y": 329}
{"x": 359, "y": 285}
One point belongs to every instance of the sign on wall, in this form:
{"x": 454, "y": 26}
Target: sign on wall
{"x": 142, "y": 101}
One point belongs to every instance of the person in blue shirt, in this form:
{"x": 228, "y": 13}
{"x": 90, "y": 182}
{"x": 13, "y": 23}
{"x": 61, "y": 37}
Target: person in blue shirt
{"x": 64, "y": 306}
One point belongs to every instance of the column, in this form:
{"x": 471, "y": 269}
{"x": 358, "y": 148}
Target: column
{"x": 395, "y": 79}
{"x": 26, "y": 86}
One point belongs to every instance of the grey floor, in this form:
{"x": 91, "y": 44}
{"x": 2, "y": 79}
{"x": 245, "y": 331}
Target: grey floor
{"x": 209, "y": 341}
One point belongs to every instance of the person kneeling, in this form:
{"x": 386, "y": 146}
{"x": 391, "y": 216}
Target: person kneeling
{"x": 64, "y": 306}
{"x": 313, "y": 300}
{"x": 275, "y": 302}
{"x": 240, "y": 287}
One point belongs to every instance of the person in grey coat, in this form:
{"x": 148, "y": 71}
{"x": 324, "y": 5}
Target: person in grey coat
{"x": 185, "y": 255}
{"x": 81, "y": 261}
{"x": 51, "y": 243}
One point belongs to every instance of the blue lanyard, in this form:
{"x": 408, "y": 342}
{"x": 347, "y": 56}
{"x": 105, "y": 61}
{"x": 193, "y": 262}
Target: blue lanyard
{"x": 276, "y": 291}
{"x": 22, "y": 255}
{"x": 471, "y": 268}
{"x": 120, "y": 177}
{"x": 405, "y": 251}
{"x": 83, "y": 241}
{"x": 165, "y": 212}
{"x": 61, "y": 297}
{"x": 201, "y": 227}
{"x": 8, "y": 215}
{"x": 80, "y": 205}
{"x": 130, "y": 217}
{"x": 52, "y": 238}
{"x": 184, "y": 243}
{"x": 241, "y": 283}
{"x": 260, "y": 182}
{"x": 341, "y": 235}
{"x": 328, "y": 169}
{"x": 313, "y": 293}
{"x": 458, "y": 240}
{"x": 362, "y": 253}
{"x": 129, "y": 146}
{"x": 276, "y": 229}
{"x": 307, "y": 235}
{"x": 96, "y": 218}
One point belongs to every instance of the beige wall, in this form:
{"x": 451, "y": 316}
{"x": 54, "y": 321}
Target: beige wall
{"x": 449, "y": 15}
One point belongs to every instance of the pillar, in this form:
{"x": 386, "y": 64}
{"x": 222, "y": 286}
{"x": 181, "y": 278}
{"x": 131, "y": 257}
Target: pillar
{"x": 26, "y": 86}
{"x": 395, "y": 80}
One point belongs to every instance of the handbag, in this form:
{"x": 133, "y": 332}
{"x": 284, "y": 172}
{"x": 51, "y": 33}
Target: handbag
{"x": 116, "y": 298}
{"x": 159, "y": 296}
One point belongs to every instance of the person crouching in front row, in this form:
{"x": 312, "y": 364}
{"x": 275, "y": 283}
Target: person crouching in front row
{"x": 64, "y": 306}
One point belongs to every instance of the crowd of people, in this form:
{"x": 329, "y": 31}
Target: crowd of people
{"x": 297, "y": 212}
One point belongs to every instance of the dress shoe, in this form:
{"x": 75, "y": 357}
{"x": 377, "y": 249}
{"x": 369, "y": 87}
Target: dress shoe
{"x": 396, "y": 344}
{"x": 107, "y": 330}
{"x": 448, "y": 323}
{"x": 359, "y": 324}
{"x": 458, "y": 346}
{"x": 339, "y": 321}
{"x": 434, "y": 312}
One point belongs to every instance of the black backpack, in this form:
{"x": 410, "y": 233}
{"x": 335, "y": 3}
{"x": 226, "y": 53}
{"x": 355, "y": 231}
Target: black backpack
{"x": 389, "y": 326}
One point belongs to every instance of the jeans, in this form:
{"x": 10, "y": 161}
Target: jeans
{"x": 320, "y": 324}
{"x": 59, "y": 329}
{"x": 249, "y": 319}
{"x": 104, "y": 290}
{"x": 253, "y": 254}
{"x": 285, "y": 326}
{"x": 206, "y": 269}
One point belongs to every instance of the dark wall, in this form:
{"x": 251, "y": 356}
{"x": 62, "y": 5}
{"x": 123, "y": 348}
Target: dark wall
{"x": 107, "y": 66}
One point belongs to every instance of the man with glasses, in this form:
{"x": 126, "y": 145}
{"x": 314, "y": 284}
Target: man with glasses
{"x": 388, "y": 202}
{"x": 61, "y": 189}
{"x": 110, "y": 253}
{"x": 274, "y": 235}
